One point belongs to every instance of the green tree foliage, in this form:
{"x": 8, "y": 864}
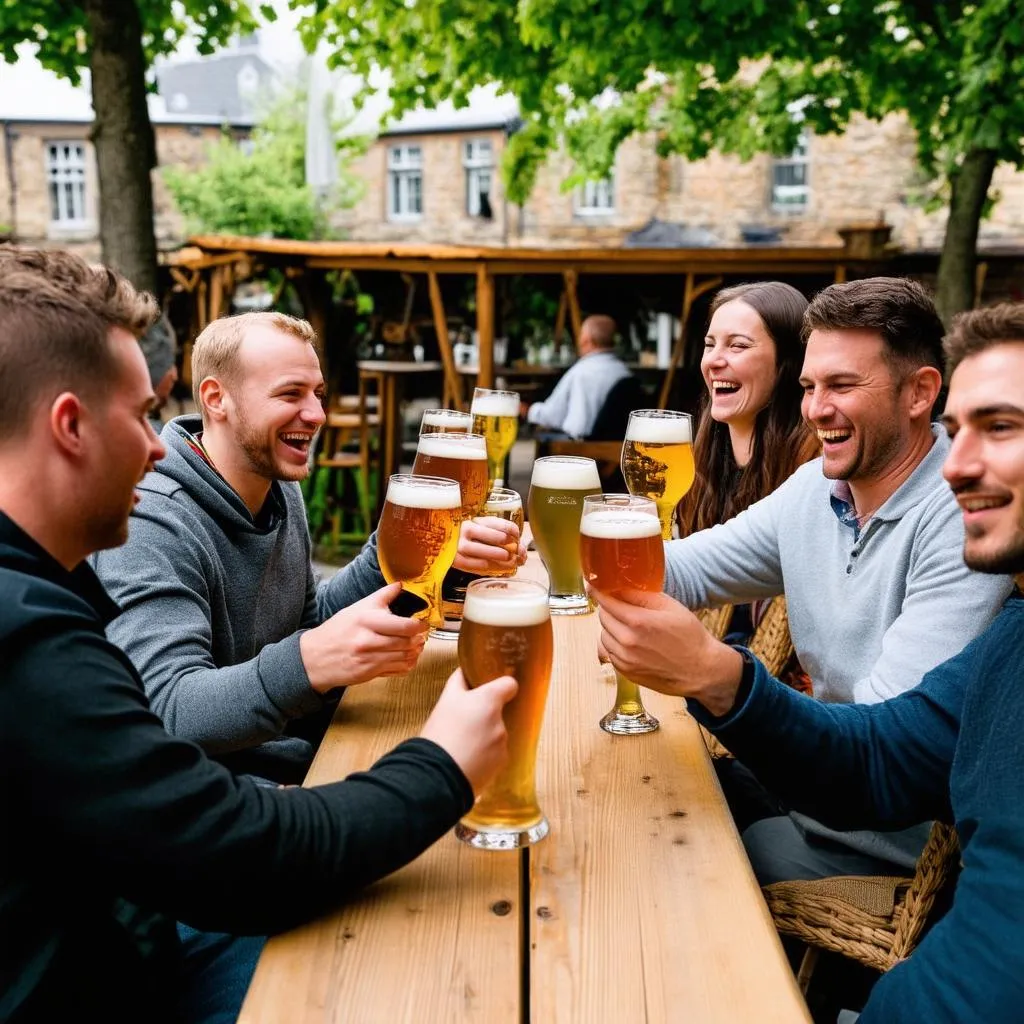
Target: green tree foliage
{"x": 118, "y": 40}
{"x": 262, "y": 190}
{"x": 740, "y": 76}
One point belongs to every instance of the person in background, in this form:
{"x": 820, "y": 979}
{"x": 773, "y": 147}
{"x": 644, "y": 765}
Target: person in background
{"x": 865, "y": 543}
{"x": 114, "y": 830}
{"x": 159, "y": 347}
{"x": 950, "y": 748}
{"x": 574, "y": 405}
{"x": 240, "y": 649}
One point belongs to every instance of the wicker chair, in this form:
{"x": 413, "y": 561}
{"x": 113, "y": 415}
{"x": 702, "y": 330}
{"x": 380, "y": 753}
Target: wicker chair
{"x": 771, "y": 643}
{"x": 877, "y": 921}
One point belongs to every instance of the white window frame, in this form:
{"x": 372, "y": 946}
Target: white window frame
{"x": 597, "y": 198}
{"x": 478, "y": 160}
{"x": 405, "y": 182}
{"x": 67, "y": 162}
{"x": 787, "y": 197}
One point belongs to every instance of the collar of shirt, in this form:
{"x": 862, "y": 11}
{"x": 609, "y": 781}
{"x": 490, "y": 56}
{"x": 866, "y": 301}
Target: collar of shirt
{"x": 80, "y": 581}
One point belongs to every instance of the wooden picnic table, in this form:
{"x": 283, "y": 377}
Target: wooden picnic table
{"x": 639, "y": 906}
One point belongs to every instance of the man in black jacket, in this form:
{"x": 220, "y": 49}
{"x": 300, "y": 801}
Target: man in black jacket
{"x": 113, "y": 830}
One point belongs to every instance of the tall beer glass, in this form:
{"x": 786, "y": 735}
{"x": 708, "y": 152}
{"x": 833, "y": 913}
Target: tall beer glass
{"x": 506, "y": 631}
{"x": 448, "y": 421}
{"x": 657, "y": 459}
{"x": 460, "y": 457}
{"x": 621, "y": 549}
{"x": 505, "y": 503}
{"x": 555, "y": 504}
{"x": 418, "y": 535}
{"x": 496, "y": 416}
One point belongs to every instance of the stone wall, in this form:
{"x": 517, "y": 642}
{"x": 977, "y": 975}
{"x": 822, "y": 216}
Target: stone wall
{"x": 182, "y": 145}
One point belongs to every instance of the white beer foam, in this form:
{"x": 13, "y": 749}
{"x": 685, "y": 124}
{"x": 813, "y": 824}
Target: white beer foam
{"x": 496, "y": 405}
{"x": 400, "y": 492}
{"x": 446, "y": 418}
{"x": 620, "y": 524}
{"x": 498, "y": 606}
{"x": 439, "y": 447}
{"x": 569, "y": 474}
{"x": 660, "y": 430}
{"x": 503, "y": 501}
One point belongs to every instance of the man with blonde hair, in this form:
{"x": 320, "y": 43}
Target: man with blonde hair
{"x": 239, "y": 648}
{"x": 115, "y": 830}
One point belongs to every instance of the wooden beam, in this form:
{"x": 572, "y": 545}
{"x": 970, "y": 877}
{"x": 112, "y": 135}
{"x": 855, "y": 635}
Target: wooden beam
{"x": 691, "y": 293}
{"x": 452, "y": 380}
{"x": 485, "y": 325}
{"x": 980, "y": 273}
{"x": 216, "y": 293}
{"x": 571, "y": 278}
{"x": 560, "y": 320}
{"x": 839, "y": 275}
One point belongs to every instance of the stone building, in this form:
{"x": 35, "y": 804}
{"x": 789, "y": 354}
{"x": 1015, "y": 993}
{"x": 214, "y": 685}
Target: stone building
{"x": 48, "y": 186}
{"x": 434, "y": 176}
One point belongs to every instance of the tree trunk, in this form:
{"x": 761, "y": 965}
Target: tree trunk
{"x": 954, "y": 288}
{"x": 123, "y": 137}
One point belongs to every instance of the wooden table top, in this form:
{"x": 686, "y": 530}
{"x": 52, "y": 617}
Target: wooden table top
{"x": 639, "y": 906}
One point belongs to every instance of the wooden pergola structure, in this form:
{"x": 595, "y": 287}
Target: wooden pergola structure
{"x": 211, "y": 267}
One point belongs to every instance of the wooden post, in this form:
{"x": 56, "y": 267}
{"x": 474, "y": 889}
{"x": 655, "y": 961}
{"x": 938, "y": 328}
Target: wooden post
{"x": 560, "y": 320}
{"x": 452, "y": 380}
{"x": 485, "y": 325}
{"x": 690, "y": 294}
{"x": 216, "y": 292}
{"x": 840, "y": 273}
{"x": 980, "y": 273}
{"x": 571, "y": 277}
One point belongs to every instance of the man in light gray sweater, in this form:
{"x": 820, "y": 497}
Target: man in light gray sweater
{"x": 866, "y": 544}
{"x": 240, "y": 650}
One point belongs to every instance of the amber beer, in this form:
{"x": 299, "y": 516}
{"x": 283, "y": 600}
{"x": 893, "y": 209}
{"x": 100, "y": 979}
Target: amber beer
{"x": 657, "y": 459}
{"x": 506, "y": 504}
{"x": 506, "y": 631}
{"x": 446, "y": 421}
{"x": 621, "y": 549}
{"x": 418, "y": 535}
{"x": 555, "y": 504}
{"x": 459, "y": 457}
{"x": 496, "y": 416}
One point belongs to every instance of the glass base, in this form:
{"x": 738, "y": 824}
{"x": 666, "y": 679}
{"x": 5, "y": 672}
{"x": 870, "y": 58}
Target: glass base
{"x": 570, "y": 604}
{"x": 628, "y": 725}
{"x": 502, "y": 839}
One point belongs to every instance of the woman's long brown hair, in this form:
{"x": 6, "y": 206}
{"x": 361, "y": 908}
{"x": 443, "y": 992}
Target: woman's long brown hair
{"x": 781, "y": 440}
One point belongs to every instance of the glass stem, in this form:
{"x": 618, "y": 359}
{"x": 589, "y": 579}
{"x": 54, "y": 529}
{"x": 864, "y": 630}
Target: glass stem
{"x": 627, "y": 696}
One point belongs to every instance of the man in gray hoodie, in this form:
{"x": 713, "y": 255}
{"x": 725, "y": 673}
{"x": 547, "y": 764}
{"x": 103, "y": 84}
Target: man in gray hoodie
{"x": 238, "y": 646}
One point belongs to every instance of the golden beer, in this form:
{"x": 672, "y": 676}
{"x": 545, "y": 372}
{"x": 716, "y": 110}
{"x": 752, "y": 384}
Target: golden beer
{"x": 447, "y": 421}
{"x": 557, "y": 489}
{"x": 657, "y": 459}
{"x": 496, "y": 416}
{"x": 418, "y": 535}
{"x": 621, "y": 549}
{"x": 508, "y": 505}
{"x": 506, "y": 631}
{"x": 459, "y": 457}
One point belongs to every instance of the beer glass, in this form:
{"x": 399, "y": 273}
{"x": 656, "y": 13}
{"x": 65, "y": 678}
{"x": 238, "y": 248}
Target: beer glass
{"x": 418, "y": 535}
{"x": 448, "y": 421}
{"x": 555, "y": 503}
{"x": 506, "y": 631}
{"x": 496, "y": 416}
{"x": 463, "y": 458}
{"x": 621, "y": 549}
{"x": 657, "y": 459}
{"x": 506, "y": 504}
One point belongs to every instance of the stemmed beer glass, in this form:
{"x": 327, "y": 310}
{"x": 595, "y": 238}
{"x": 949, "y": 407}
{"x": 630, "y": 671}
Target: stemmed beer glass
{"x": 657, "y": 459}
{"x": 621, "y": 549}
{"x": 496, "y": 416}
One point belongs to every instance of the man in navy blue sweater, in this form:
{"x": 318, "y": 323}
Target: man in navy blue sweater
{"x": 952, "y": 748}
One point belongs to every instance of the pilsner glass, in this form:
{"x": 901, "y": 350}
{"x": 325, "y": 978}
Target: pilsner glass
{"x": 496, "y": 416}
{"x": 418, "y": 535}
{"x": 557, "y": 489}
{"x": 657, "y": 459}
{"x": 448, "y": 421}
{"x": 460, "y": 457}
{"x": 505, "y": 503}
{"x": 621, "y": 549}
{"x": 506, "y": 631}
